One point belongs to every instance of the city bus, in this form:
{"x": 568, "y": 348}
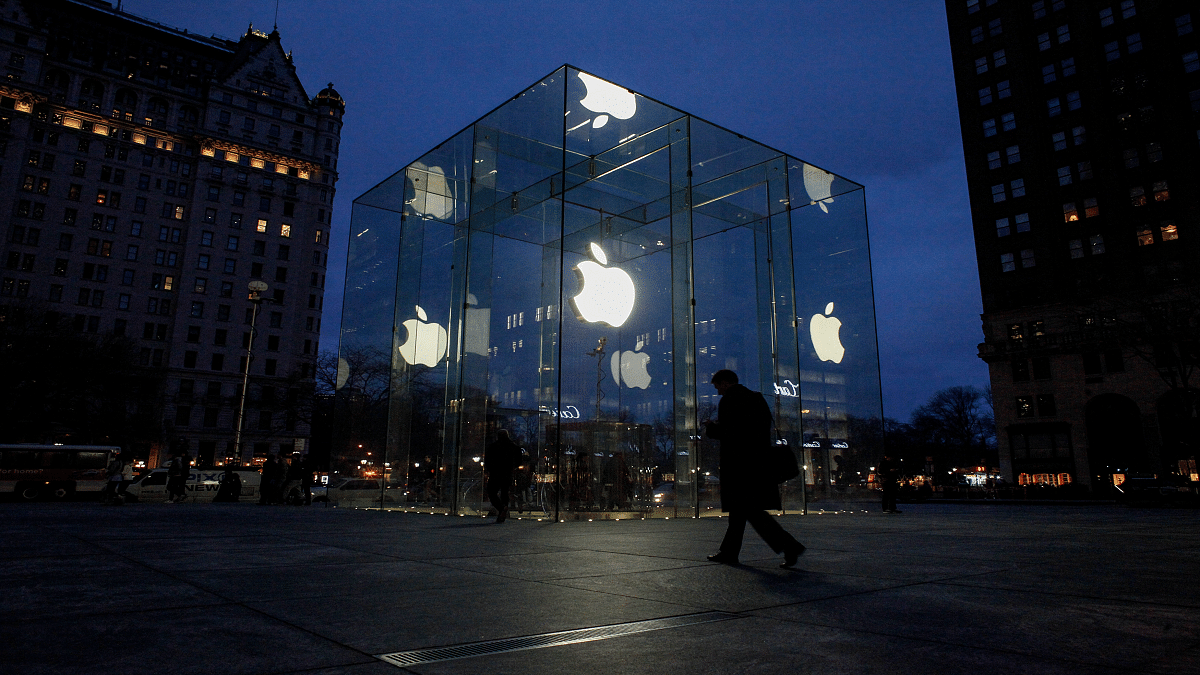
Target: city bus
{"x": 54, "y": 471}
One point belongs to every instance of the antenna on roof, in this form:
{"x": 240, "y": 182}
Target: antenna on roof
{"x": 276, "y": 27}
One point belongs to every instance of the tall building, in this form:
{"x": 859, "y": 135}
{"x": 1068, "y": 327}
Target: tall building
{"x": 1081, "y": 131}
{"x": 149, "y": 175}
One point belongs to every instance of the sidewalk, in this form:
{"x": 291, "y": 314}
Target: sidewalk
{"x": 236, "y": 588}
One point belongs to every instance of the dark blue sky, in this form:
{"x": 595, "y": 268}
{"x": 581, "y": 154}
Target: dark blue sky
{"x": 865, "y": 90}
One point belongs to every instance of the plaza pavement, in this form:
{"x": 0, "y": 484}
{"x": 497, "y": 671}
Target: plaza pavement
{"x": 236, "y": 588}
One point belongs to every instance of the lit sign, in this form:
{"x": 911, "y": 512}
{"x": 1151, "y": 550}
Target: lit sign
{"x": 607, "y": 295}
{"x": 840, "y": 445}
{"x": 568, "y": 413}
{"x": 825, "y": 333}
{"x": 606, "y": 97}
{"x": 426, "y": 343}
{"x": 812, "y": 444}
{"x": 817, "y": 184}
{"x": 788, "y": 388}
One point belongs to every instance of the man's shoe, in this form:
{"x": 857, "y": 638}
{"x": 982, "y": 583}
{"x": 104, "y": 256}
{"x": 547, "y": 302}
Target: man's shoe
{"x": 790, "y": 556}
{"x": 723, "y": 558}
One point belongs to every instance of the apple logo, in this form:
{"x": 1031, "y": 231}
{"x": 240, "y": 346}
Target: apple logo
{"x": 817, "y": 184}
{"x": 631, "y": 367}
{"x": 824, "y": 331}
{"x": 607, "y": 295}
{"x": 426, "y": 343}
{"x": 606, "y": 97}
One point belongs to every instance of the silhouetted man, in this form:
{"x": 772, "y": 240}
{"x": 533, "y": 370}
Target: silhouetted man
{"x": 499, "y": 459}
{"x": 889, "y": 480}
{"x": 743, "y": 426}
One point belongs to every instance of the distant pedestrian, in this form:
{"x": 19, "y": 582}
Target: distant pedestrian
{"x": 500, "y": 459}
{"x": 176, "y": 479}
{"x": 743, "y": 426}
{"x": 230, "y": 488}
{"x": 306, "y": 480}
{"x": 270, "y": 478}
{"x": 126, "y": 474}
{"x": 293, "y": 468}
{"x": 114, "y": 476}
{"x": 888, "y": 472}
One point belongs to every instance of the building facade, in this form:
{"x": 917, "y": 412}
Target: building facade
{"x": 1081, "y": 133}
{"x": 149, "y": 176}
{"x": 574, "y": 267}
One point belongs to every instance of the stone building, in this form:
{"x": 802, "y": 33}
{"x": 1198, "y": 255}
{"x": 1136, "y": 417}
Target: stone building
{"x": 1081, "y": 130}
{"x": 149, "y": 175}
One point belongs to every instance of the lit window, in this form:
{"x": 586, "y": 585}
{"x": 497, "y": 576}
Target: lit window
{"x": 989, "y": 127}
{"x": 1008, "y": 121}
{"x": 1064, "y": 175}
{"x": 994, "y": 159}
{"x": 981, "y": 65}
{"x": 1003, "y": 90}
{"x": 1097, "y": 242}
{"x": 1027, "y": 258}
{"x": 1014, "y": 153}
{"x": 1002, "y": 228}
{"x": 999, "y": 58}
{"x": 1112, "y": 50}
{"x": 1064, "y": 33}
{"x": 1169, "y": 232}
{"x": 1006, "y": 262}
{"x": 1022, "y": 220}
{"x": 1018, "y": 187}
{"x": 1133, "y": 43}
{"x": 1048, "y": 74}
{"x": 1054, "y": 106}
{"x": 1145, "y": 237}
{"x": 1070, "y": 213}
{"x": 1137, "y": 196}
{"x": 1043, "y": 42}
{"x": 1090, "y": 208}
{"x": 1060, "y": 140}
{"x": 1161, "y": 194}
{"x": 1075, "y": 246}
{"x": 285, "y": 230}
{"x": 1106, "y": 17}
{"x": 998, "y": 193}
{"x": 985, "y": 96}
{"x": 262, "y": 225}
{"x": 320, "y": 234}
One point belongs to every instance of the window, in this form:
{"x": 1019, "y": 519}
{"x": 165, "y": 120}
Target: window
{"x": 1106, "y": 17}
{"x": 994, "y": 28}
{"x": 1073, "y": 102}
{"x": 1048, "y": 75}
{"x": 1078, "y": 135}
{"x": 1002, "y": 227}
{"x": 285, "y": 251}
{"x": 1153, "y": 152}
{"x": 1060, "y": 140}
{"x": 206, "y": 238}
{"x": 262, "y": 225}
{"x": 1068, "y": 66}
{"x": 999, "y": 58}
{"x": 248, "y": 124}
{"x": 1014, "y": 154}
{"x": 217, "y": 362}
{"x": 981, "y": 65}
{"x": 1168, "y": 230}
{"x": 285, "y": 230}
{"x": 1064, "y": 175}
{"x": 1044, "y": 42}
{"x": 1075, "y": 246}
{"x": 231, "y": 243}
{"x": 1137, "y": 196}
{"x": 972, "y": 6}
{"x": 1145, "y": 237}
{"x": 994, "y": 160}
{"x": 223, "y": 312}
{"x": 235, "y": 221}
{"x": 1054, "y": 106}
{"x": 1161, "y": 193}
{"x": 1133, "y": 43}
{"x": 1006, "y": 262}
{"x": 976, "y": 37}
{"x": 1018, "y": 187}
{"x": 1045, "y": 405}
{"x": 1070, "y": 213}
{"x": 239, "y": 198}
{"x": 1008, "y": 121}
{"x": 1131, "y": 158}
{"x": 202, "y": 261}
{"x": 1097, "y": 244}
{"x": 1024, "y": 406}
{"x": 985, "y": 96}
{"x": 989, "y": 127}
{"x": 264, "y": 204}
{"x": 1191, "y": 62}
{"x": 1027, "y": 259}
{"x": 1183, "y": 24}
{"x": 1039, "y": 9}
{"x": 1090, "y": 208}
{"x": 220, "y": 337}
{"x": 1064, "y": 33}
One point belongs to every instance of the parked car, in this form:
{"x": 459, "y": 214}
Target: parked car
{"x": 201, "y": 485}
{"x": 357, "y": 492}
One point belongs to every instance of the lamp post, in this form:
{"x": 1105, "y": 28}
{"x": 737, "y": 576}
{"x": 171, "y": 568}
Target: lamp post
{"x": 257, "y": 288}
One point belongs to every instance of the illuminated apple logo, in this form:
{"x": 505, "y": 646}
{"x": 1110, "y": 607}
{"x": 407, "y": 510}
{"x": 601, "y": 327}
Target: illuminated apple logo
{"x": 824, "y": 331}
{"x": 426, "y": 343}
{"x": 630, "y": 367}
{"x": 607, "y": 295}
{"x": 817, "y": 184}
{"x": 606, "y": 97}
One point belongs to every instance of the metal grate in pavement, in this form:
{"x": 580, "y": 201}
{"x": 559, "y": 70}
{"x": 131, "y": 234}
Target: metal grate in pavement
{"x": 566, "y": 637}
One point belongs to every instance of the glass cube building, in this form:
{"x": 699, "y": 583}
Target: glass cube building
{"x": 574, "y": 267}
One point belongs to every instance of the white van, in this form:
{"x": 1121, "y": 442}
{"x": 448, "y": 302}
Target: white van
{"x": 201, "y": 485}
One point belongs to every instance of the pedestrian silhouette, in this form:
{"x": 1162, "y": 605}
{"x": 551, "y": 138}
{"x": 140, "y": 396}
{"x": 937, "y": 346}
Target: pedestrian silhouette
{"x": 499, "y": 459}
{"x": 889, "y": 480}
{"x": 743, "y": 426}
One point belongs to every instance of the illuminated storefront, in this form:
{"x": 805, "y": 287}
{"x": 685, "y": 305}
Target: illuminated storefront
{"x": 573, "y": 267}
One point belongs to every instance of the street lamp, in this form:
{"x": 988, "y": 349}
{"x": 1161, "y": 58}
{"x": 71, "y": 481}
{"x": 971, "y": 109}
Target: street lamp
{"x": 257, "y": 288}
